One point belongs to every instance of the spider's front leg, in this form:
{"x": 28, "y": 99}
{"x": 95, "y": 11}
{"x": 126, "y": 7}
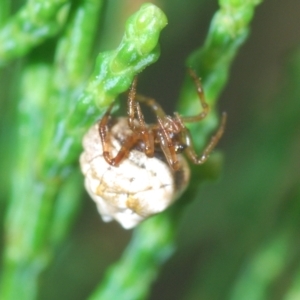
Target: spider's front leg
{"x": 167, "y": 145}
{"x": 104, "y": 129}
{"x": 132, "y": 105}
{"x": 202, "y": 99}
{"x": 190, "y": 152}
{"x": 138, "y": 125}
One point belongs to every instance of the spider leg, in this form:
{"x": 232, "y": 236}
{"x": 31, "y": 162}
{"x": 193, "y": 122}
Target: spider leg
{"x": 104, "y": 134}
{"x": 134, "y": 110}
{"x": 129, "y": 143}
{"x": 106, "y": 143}
{"x": 131, "y": 105}
{"x": 201, "y": 96}
{"x": 160, "y": 115}
{"x": 140, "y": 132}
{"x": 145, "y": 133}
{"x": 132, "y": 99}
{"x": 167, "y": 146}
{"x": 208, "y": 149}
{"x": 154, "y": 106}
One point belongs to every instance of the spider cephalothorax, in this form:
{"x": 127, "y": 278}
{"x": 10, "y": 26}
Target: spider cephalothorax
{"x": 169, "y": 134}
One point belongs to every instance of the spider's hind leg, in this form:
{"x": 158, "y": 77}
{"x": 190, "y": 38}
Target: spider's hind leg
{"x": 210, "y": 146}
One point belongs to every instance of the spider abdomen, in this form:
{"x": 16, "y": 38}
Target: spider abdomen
{"x": 138, "y": 187}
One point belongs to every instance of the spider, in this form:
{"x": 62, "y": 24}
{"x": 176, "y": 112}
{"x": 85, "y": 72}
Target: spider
{"x": 169, "y": 133}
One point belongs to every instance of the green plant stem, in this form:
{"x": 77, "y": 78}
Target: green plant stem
{"x": 153, "y": 241}
{"x": 283, "y": 134}
{"x": 113, "y": 74}
{"x": 42, "y": 220}
{"x": 272, "y": 259}
{"x": 294, "y": 292}
{"x": 228, "y": 31}
{"x": 212, "y": 61}
{"x": 264, "y": 268}
{"x": 41, "y": 197}
{"x": 73, "y": 55}
{"x": 131, "y": 277}
{"x": 257, "y": 207}
{"x": 220, "y": 50}
{"x": 36, "y": 21}
{"x": 65, "y": 209}
{"x": 26, "y": 218}
{"x": 70, "y": 71}
{"x": 4, "y": 11}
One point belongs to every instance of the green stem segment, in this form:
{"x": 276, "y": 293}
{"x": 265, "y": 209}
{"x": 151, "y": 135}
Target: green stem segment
{"x": 70, "y": 70}
{"x": 113, "y": 74}
{"x": 125, "y": 280}
{"x": 115, "y": 69}
{"x": 73, "y": 57}
{"x": 4, "y": 11}
{"x": 228, "y": 31}
{"x": 27, "y": 216}
{"x": 34, "y": 23}
{"x": 54, "y": 124}
{"x": 274, "y": 258}
{"x": 131, "y": 277}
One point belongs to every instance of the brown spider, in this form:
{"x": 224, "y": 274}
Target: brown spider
{"x": 169, "y": 133}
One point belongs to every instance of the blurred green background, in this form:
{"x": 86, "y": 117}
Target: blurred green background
{"x": 240, "y": 239}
